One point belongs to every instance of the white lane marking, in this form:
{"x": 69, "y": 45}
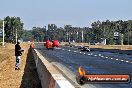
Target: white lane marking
{"x": 75, "y": 51}
{"x": 69, "y": 50}
{"x": 89, "y": 54}
{"x": 122, "y": 60}
{"x": 106, "y": 57}
{"x": 95, "y": 55}
{"x": 99, "y": 54}
{"x": 117, "y": 59}
{"x": 102, "y": 56}
{"x": 111, "y": 58}
{"x": 57, "y": 48}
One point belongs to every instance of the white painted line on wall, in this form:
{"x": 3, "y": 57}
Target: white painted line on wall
{"x": 61, "y": 81}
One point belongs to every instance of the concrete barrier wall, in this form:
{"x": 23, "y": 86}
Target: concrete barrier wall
{"x": 49, "y": 76}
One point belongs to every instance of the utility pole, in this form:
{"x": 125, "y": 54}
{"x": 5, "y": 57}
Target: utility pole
{"x": 3, "y": 32}
{"x": 82, "y": 36}
{"x": 67, "y": 36}
{"x": 122, "y": 39}
{"x": 77, "y": 37}
{"x": 16, "y": 36}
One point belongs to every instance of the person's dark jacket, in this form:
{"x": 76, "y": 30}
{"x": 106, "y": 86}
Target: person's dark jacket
{"x": 18, "y": 50}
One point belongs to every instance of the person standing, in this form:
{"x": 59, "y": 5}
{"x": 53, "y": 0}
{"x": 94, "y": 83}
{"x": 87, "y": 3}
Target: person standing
{"x": 18, "y": 53}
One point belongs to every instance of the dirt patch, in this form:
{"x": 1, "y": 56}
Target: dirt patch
{"x": 26, "y": 77}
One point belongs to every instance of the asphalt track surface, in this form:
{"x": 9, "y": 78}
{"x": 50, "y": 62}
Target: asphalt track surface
{"x": 94, "y": 62}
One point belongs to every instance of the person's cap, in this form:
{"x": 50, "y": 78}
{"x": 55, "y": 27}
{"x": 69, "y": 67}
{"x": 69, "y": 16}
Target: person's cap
{"x": 18, "y": 41}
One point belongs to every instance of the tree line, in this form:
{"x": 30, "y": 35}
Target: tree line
{"x": 12, "y": 25}
{"x": 96, "y": 33}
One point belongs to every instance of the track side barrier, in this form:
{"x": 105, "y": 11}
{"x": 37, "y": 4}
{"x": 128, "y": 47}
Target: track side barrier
{"x": 49, "y": 76}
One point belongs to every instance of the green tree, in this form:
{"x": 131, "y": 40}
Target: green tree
{"x": 39, "y": 33}
{"x": 11, "y": 24}
{"x": 27, "y": 35}
{"x": 1, "y": 24}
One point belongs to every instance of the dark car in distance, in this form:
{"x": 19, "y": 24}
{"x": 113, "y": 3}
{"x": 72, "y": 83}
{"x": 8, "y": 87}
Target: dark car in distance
{"x": 84, "y": 48}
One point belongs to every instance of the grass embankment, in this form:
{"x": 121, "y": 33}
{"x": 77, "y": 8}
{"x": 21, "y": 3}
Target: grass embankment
{"x": 121, "y": 47}
{"x": 26, "y": 77}
{"x": 6, "y": 52}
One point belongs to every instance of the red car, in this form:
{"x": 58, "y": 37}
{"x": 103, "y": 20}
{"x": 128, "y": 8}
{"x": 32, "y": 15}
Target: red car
{"x": 51, "y": 44}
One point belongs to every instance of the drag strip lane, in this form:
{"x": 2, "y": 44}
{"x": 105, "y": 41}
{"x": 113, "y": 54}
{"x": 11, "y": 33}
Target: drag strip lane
{"x": 111, "y": 56}
{"x": 93, "y": 63}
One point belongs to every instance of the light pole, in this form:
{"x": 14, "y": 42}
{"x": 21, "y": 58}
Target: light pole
{"x": 3, "y": 32}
